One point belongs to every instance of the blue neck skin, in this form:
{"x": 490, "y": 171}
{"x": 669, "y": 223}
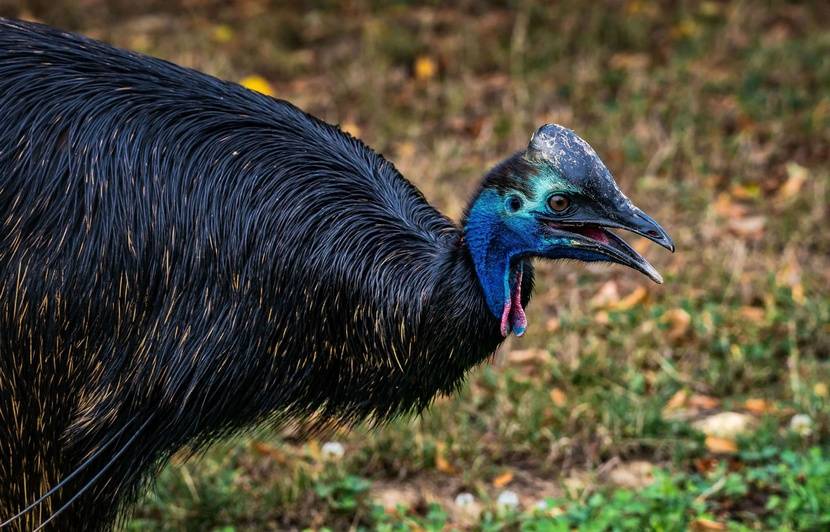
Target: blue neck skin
{"x": 494, "y": 244}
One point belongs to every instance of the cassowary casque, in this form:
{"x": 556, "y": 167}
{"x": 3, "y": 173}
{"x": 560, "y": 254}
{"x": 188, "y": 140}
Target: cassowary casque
{"x": 181, "y": 258}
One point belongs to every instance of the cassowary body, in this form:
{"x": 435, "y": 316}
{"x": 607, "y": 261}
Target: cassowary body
{"x": 181, "y": 258}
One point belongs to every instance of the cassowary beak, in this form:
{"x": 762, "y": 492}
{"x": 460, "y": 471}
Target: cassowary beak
{"x": 590, "y": 233}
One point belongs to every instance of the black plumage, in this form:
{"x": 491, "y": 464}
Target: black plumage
{"x": 181, "y": 258}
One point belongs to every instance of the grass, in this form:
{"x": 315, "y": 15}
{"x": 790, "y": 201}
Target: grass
{"x": 714, "y": 117}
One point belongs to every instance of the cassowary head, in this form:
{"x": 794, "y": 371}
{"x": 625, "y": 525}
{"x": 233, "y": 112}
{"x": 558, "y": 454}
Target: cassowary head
{"x": 555, "y": 200}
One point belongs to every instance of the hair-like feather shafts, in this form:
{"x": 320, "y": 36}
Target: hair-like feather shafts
{"x": 180, "y": 252}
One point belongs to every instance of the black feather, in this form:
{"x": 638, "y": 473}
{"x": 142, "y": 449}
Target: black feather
{"x": 181, "y": 254}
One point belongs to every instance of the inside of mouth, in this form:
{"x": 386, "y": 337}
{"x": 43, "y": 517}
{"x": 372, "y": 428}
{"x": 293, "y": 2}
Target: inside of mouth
{"x": 594, "y": 232}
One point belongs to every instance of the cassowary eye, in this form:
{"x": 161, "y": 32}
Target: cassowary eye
{"x": 558, "y": 203}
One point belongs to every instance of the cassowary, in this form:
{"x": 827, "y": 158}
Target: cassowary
{"x": 181, "y": 258}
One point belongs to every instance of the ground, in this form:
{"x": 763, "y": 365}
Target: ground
{"x": 701, "y": 404}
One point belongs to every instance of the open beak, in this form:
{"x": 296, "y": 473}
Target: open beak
{"x": 592, "y": 235}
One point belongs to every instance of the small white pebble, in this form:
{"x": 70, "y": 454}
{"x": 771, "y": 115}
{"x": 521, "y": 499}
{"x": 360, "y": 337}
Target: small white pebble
{"x": 464, "y": 499}
{"x": 801, "y": 424}
{"x": 508, "y": 499}
{"x": 333, "y": 449}
{"x": 541, "y": 505}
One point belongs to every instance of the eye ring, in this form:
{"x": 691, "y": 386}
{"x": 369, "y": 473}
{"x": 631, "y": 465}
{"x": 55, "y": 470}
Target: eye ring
{"x": 559, "y": 203}
{"x": 514, "y": 203}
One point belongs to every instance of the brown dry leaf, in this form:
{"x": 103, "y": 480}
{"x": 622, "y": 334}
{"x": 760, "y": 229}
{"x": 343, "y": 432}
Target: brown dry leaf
{"x": 721, "y": 445}
{"x": 759, "y": 406}
{"x": 625, "y": 61}
{"x": 441, "y": 463}
{"x": 640, "y": 245}
{"x": 631, "y": 300}
{"x": 406, "y": 149}
{"x": 636, "y": 474}
{"x": 678, "y": 321}
{"x": 607, "y": 294}
{"x": 678, "y": 400}
{"x": 425, "y": 68}
{"x": 705, "y": 464}
{"x": 503, "y": 480}
{"x": 796, "y": 177}
{"x": 704, "y": 402}
{"x": 798, "y": 293}
{"x": 746, "y": 192}
{"x": 351, "y": 128}
{"x": 558, "y": 397}
{"x": 602, "y": 317}
{"x": 701, "y": 525}
{"x": 257, "y": 83}
{"x": 749, "y": 227}
{"x": 313, "y": 450}
{"x": 552, "y": 325}
{"x": 753, "y": 314}
{"x": 726, "y": 208}
{"x": 265, "y": 449}
{"x": 527, "y": 356}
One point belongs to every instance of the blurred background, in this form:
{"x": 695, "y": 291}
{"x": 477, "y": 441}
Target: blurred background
{"x": 701, "y": 404}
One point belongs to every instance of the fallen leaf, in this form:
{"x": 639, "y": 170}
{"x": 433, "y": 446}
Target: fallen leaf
{"x": 425, "y": 68}
{"x": 798, "y": 293}
{"x": 406, "y": 149}
{"x": 441, "y": 463}
{"x": 269, "y": 450}
{"x": 746, "y": 192}
{"x": 705, "y": 464}
{"x": 820, "y": 389}
{"x": 700, "y": 525}
{"x": 753, "y": 314}
{"x": 759, "y": 406}
{"x": 602, "y": 317}
{"x": 634, "y": 298}
{"x": 552, "y": 325}
{"x": 727, "y": 425}
{"x": 503, "y": 480}
{"x": 607, "y": 294}
{"x": 558, "y": 397}
{"x": 313, "y": 449}
{"x": 677, "y": 400}
{"x": 796, "y": 177}
{"x": 351, "y": 128}
{"x": 640, "y": 245}
{"x": 390, "y": 497}
{"x": 721, "y": 445}
{"x": 633, "y": 475}
{"x": 527, "y": 356}
{"x": 257, "y": 83}
{"x": 726, "y": 208}
{"x": 627, "y": 61}
{"x": 678, "y": 321}
{"x": 703, "y": 402}
{"x": 749, "y": 227}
